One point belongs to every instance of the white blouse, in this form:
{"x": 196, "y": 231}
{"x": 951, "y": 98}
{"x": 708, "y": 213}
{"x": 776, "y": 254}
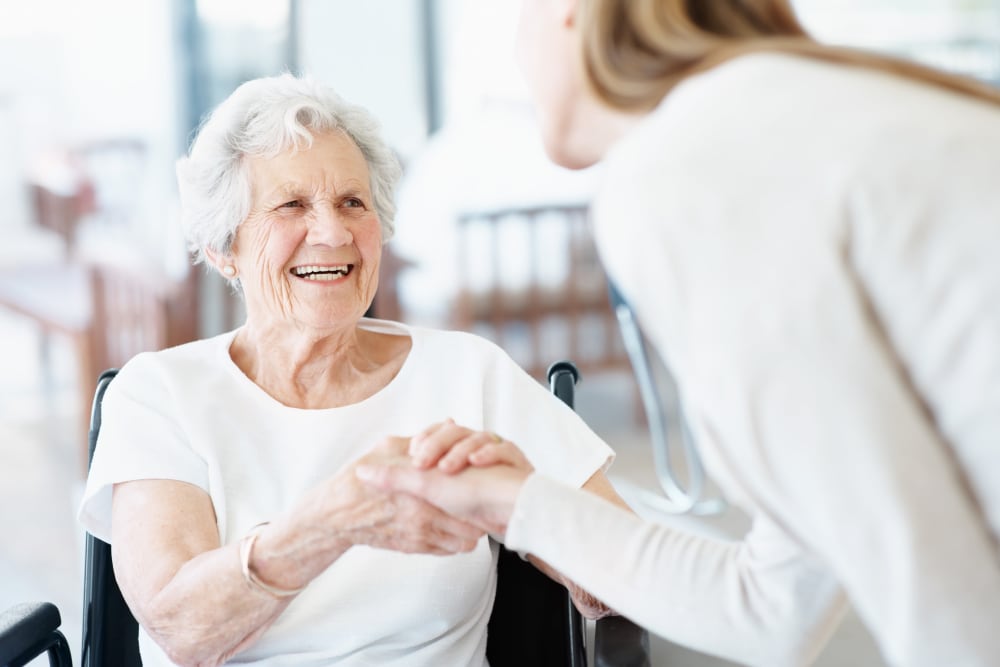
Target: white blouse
{"x": 190, "y": 414}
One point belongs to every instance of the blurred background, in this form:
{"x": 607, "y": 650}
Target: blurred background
{"x": 98, "y": 99}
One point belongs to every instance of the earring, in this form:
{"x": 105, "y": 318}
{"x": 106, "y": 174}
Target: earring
{"x": 229, "y": 270}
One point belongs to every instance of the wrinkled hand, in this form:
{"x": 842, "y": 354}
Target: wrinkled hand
{"x": 452, "y": 448}
{"x": 482, "y": 494}
{"x": 384, "y": 518}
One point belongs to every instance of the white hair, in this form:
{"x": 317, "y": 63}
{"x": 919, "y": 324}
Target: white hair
{"x": 262, "y": 118}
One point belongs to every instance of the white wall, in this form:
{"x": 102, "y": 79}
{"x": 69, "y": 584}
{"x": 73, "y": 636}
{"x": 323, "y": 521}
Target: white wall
{"x": 956, "y": 35}
{"x": 370, "y": 52}
{"x": 94, "y": 69}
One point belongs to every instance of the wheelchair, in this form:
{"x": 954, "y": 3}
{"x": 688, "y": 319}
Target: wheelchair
{"x": 533, "y": 622}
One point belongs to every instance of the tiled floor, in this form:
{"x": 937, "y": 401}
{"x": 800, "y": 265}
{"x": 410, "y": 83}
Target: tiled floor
{"x": 41, "y": 548}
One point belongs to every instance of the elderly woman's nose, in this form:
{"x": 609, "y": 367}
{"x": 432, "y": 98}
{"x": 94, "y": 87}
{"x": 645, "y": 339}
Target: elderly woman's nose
{"x": 328, "y": 226}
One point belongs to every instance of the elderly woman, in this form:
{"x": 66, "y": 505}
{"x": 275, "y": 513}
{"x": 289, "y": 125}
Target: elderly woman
{"x": 224, "y": 475}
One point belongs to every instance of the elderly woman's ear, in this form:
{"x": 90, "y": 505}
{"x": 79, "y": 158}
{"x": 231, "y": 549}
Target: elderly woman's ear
{"x": 225, "y": 264}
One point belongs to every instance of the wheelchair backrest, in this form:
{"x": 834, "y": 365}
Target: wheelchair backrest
{"x": 110, "y": 632}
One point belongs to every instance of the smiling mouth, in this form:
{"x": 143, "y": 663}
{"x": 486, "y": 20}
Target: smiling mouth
{"x": 322, "y": 273}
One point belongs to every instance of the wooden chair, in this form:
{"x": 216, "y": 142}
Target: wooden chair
{"x": 62, "y": 212}
{"x": 133, "y": 309}
{"x": 98, "y": 183}
{"x": 530, "y": 280}
{"x": 386, "y": 305}
{"x": 109, "y": 311}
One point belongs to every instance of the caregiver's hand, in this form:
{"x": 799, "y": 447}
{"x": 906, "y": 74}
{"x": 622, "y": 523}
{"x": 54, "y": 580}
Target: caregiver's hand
{"x": 482, "y": 496}
{"x": 452, "y": 447}
{"x": 476, "y": 476}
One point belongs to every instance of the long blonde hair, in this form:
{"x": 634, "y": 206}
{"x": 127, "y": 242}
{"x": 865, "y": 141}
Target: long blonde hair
{"x": 635, "y": 51}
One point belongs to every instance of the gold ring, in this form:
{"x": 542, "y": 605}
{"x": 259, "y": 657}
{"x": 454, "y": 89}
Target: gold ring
{"x": 496, "y": 437}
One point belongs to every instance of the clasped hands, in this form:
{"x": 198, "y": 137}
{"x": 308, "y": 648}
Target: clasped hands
{"x": 472, "y": 476}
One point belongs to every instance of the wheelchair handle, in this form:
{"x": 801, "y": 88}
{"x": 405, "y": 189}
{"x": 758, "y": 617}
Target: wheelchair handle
{"x": 563, "y": 376}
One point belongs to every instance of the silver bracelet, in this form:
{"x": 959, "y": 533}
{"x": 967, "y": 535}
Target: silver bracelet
{"x": 246, "y": 548}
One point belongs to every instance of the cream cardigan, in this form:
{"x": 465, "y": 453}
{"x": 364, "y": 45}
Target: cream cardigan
{"x": 815, "y": 251}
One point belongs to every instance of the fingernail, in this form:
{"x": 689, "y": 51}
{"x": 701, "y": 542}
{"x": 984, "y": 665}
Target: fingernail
{"x": 365, "y": 473}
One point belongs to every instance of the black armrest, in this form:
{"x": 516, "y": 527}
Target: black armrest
{"x": 618, "y": 642}
{"x": 30, "y": 629}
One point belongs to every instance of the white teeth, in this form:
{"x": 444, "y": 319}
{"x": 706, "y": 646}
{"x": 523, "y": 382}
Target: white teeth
{"x": 322, "y": 272}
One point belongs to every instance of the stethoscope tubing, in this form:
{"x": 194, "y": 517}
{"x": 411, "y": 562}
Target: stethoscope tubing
{"x": 677, "y": 497}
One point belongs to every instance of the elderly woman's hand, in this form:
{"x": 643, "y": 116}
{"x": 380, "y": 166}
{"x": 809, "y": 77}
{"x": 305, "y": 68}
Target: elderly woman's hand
{"x": 363, "y": 514}
{"x": 452, "y": 448}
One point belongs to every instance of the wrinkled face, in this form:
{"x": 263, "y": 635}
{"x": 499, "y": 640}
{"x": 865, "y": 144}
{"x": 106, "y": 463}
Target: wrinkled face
{"x": 308, "y": 252}
{"x": 548, "y": 53}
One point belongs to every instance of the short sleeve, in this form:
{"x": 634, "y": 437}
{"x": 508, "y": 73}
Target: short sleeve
{"x": 555, "y": 439}
{"x": 140, "y": 438}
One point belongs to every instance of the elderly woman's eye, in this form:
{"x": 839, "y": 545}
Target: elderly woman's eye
{"x": 295, "y": 203}
{"x": 354, "y": 202}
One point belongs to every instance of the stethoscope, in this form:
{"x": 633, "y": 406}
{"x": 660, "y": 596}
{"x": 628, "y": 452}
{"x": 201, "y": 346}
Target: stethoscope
{"x": 678, "y": 497}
